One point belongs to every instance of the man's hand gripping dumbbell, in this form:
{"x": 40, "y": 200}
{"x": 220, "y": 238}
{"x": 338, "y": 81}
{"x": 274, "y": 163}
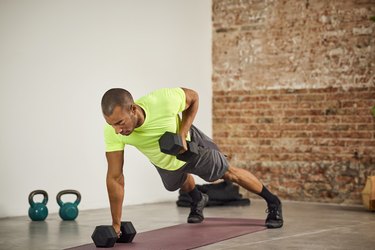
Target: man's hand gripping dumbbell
{"x": 172, "y": 144}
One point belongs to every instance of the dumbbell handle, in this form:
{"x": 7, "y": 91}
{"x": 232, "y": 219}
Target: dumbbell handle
{"x": 124, "y": 238}
{"x": 190, "y": 153}
{"x": 190, "y": 146}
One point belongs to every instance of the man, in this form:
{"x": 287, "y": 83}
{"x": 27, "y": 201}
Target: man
{"x": 143, "y": 122}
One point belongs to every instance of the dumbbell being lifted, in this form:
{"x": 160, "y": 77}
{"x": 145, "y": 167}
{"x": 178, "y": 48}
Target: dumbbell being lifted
{"x": 171, "y": 143}
{"x": 105, "y": 236}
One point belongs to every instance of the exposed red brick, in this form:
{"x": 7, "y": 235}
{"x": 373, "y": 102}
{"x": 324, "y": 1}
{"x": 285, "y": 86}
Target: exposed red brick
{"x": 284, "y": 137}
{"x": 293, "y": 87}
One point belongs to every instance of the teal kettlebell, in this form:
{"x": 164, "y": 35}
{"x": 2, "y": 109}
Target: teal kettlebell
{"x": 38, "y": 211}
{"x": 68, "y": 210}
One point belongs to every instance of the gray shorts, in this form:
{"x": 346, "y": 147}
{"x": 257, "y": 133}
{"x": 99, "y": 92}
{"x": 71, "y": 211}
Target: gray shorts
{"x": 210, "y": 164}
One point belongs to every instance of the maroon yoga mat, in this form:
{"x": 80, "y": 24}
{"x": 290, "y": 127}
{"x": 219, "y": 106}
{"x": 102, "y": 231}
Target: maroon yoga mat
{"x": 189, "y": 236}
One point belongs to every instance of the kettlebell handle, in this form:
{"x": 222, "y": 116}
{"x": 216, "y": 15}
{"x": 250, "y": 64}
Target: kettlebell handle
{"x": 68, "y": 191}
{"x": 35, "y": 192}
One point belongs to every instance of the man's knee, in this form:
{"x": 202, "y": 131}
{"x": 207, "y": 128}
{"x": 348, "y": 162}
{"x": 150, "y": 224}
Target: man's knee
{"x": 231, "y": 175}
{"x": 172, "y": 188}
{"x": 173, "y": 182}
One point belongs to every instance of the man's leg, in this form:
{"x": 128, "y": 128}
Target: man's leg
{"x": 213, "y": 165}
{"x": 180, "y": 179}
{"x": 189, "y": 184}
{"x": 199, "y": 200}
{"x": 248, "y": 181}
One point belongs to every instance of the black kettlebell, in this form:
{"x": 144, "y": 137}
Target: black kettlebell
{"x": 38, "y": 211}
{"x": 68, "y": 210}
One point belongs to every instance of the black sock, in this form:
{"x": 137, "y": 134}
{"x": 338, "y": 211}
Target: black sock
{"x": 195, "y": 195}
{"x": 268, "y": 196}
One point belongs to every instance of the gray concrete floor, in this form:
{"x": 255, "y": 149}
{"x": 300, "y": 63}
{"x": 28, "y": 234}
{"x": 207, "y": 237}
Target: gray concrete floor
{"x": 307, "y": 226}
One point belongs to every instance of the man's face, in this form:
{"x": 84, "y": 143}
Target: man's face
{"x": 122, "y": 120}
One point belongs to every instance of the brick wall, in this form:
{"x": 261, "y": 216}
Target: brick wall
{"x": 293, "y": 87}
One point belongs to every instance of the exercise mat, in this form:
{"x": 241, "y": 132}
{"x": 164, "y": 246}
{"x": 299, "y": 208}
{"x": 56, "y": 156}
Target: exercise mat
{"x": 189, "y": 236}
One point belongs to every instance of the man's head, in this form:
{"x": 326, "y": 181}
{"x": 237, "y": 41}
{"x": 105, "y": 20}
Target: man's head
{"x": 119, "y": 110}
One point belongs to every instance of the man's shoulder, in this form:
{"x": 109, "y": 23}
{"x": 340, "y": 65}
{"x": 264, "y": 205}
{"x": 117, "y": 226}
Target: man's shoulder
{"x": 162, "y": 93}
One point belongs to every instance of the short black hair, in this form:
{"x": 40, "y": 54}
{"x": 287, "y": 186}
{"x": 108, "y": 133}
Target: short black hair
{"x": 115, "y": 97}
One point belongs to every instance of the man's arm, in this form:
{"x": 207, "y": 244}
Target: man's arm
{"x": 115, "y": 186}
{"x": 188, "y": 115}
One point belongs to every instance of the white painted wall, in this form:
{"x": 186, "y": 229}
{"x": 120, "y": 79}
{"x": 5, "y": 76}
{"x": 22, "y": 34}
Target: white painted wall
{"x": 57, "y": 58}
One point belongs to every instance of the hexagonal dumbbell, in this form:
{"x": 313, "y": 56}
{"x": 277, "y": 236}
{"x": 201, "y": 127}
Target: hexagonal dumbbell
{"x": 171, "y": 143}
{"x": 105, "y": 236}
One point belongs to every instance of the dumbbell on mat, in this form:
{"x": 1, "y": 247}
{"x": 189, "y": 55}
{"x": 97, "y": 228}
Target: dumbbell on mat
{"x": 105, "y": 236}
{"x": 171, "y": 143}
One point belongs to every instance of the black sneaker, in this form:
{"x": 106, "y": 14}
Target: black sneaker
{"x": 275, "y": 216}
{"x": 196, "y": 212}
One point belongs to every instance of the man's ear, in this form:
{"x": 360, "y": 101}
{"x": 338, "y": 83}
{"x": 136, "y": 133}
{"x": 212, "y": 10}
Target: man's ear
{"x": 133, "y": 108}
